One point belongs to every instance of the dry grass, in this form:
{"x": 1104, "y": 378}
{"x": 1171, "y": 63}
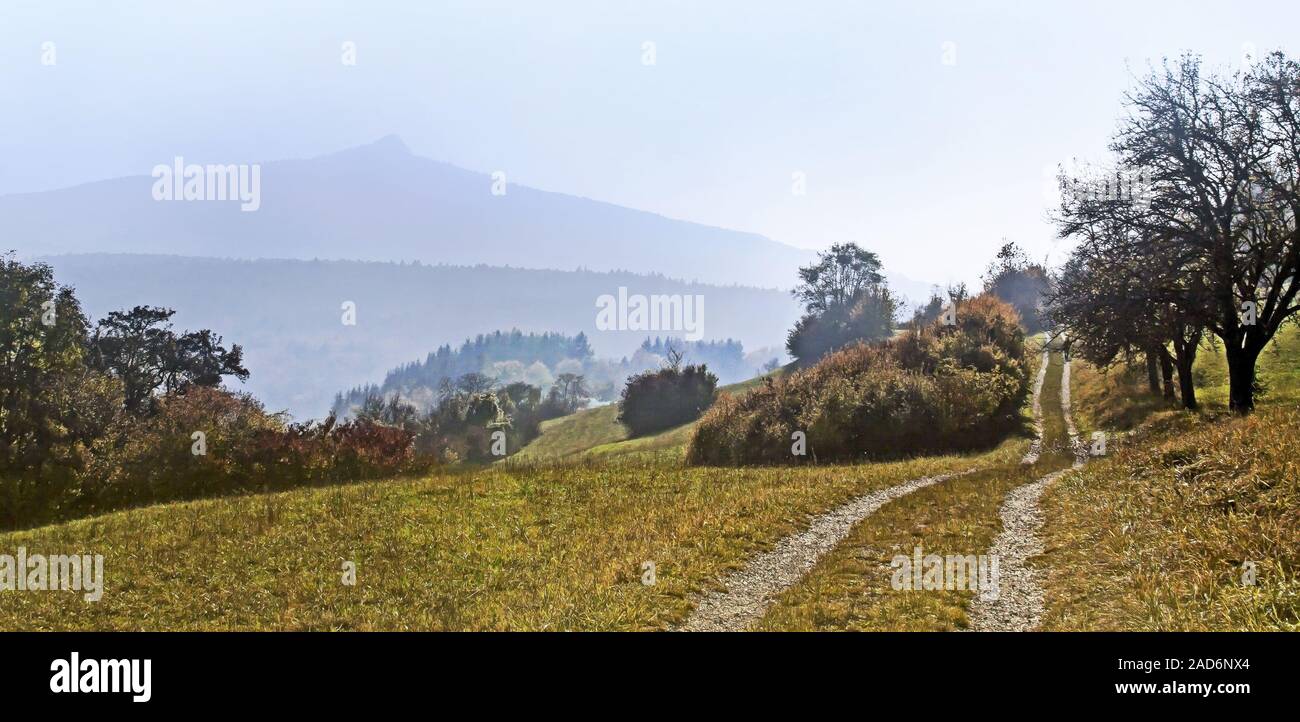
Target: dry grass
{"x": 1113, "y": 400}
{"x": 1155, "y": 537}
{"x": 1152, "y": 537}
{"x": 1117, "y": 399}
{"x": 545, "y": 547}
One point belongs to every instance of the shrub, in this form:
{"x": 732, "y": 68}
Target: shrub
{"x": 151, "y": 459}
{"x": 658, "y": 400}
{"x": 934, "y": 389}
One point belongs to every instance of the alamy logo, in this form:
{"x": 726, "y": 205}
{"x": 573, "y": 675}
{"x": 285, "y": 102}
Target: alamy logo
{"x": 193, "y": 182}
{"x": 55, "y": 572}
{"x": 658, "y": 312}
{"x": 98, "y": 676}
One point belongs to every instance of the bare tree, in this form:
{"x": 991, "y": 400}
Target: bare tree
{"x": 1117, "y": 299}
{"x": 1213, "y": 160}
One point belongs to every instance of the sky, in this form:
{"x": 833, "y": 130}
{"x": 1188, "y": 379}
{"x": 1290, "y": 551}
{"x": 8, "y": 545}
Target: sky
{"x": 925, "y": 131}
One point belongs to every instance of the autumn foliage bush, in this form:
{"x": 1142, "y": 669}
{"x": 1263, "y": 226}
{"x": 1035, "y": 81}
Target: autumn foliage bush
{"x": 155, "y": 458}
{"x": 935, "y": 388}
{"x": 128, "y": 412}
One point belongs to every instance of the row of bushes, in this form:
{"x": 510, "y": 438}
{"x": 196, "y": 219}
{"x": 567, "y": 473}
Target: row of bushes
{"x": 936, "y": 388}
{"x": 158, "y": 458}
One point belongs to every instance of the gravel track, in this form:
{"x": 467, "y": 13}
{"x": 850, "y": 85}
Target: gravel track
{"x": 1036, "y": 446}
{"x": 747, "y": 593}
{"x": 750, "y": 591}
{"x": 1016, "y": 602}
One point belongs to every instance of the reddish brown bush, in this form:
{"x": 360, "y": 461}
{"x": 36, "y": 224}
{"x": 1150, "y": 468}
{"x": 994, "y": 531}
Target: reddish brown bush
{"x": 152, "y": 459}
{"x": 935, "y": 389}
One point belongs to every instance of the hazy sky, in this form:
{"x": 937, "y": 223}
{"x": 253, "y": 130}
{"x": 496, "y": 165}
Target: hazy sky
{"x": 928, "y": 163}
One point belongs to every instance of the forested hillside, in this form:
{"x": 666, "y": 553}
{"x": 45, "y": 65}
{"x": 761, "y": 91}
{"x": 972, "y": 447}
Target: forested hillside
{"x": 540, "y": 359}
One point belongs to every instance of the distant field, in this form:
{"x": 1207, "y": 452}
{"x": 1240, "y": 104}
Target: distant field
{"x": 597, "y": 432}
{"x": 574, "y": 433}
{"x": 1279, "y": 370}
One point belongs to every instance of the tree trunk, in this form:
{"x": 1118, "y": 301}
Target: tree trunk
{"x": 1153, "y": 372}
{"x": 1167, "y": 371}
{"x": 1185, "y": 358}
{"x": 1186, "y": 388}
{"x": 1241, "y": 379}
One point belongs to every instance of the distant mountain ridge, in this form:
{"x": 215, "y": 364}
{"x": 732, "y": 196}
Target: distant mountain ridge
{"x": 380, "y": 202}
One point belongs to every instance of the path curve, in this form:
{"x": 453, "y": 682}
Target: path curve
{"x": 750, "y": 591}
{"x": 747, "y": 593}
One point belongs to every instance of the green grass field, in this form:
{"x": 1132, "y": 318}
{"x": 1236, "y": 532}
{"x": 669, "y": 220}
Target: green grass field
{"x": 1278, "y": 370}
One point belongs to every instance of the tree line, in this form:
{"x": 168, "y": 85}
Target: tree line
{"x": 1190, "y": 232}
{"x": 476, "y": 418}
{"x": 542, "y": 360}
{"x": 846, "y": 300}
{"x": 128, "y": 411}
{"x": 64, "y": 380}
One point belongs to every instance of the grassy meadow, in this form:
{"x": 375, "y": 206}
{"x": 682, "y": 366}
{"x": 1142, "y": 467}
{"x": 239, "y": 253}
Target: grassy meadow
{"x": 1151, "y": 537}
{"x": 545, "y": 547}
{"x": 1158, "y": 535}
{"x": 597, "y": 432}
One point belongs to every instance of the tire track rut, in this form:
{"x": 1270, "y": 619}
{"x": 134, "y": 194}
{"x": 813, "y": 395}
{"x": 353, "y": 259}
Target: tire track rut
{"x": 750, "y": 591}
{"x": 1016, "y": 602}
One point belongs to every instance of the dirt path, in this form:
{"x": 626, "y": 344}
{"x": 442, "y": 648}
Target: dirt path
{"x": 1080, "y": 450}
{"x": 1036, "y": 446}
{"x": 1016, "y": 605}
{"x": 750, "y": 591}
{"x": 747, "y": 593}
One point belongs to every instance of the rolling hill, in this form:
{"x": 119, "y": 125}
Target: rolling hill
{"x": 597, "y": 433}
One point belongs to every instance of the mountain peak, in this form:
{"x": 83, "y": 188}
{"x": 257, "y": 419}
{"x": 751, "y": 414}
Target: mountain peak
{"x": 386, "y": 151}
{"x": 390, "y": 143}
